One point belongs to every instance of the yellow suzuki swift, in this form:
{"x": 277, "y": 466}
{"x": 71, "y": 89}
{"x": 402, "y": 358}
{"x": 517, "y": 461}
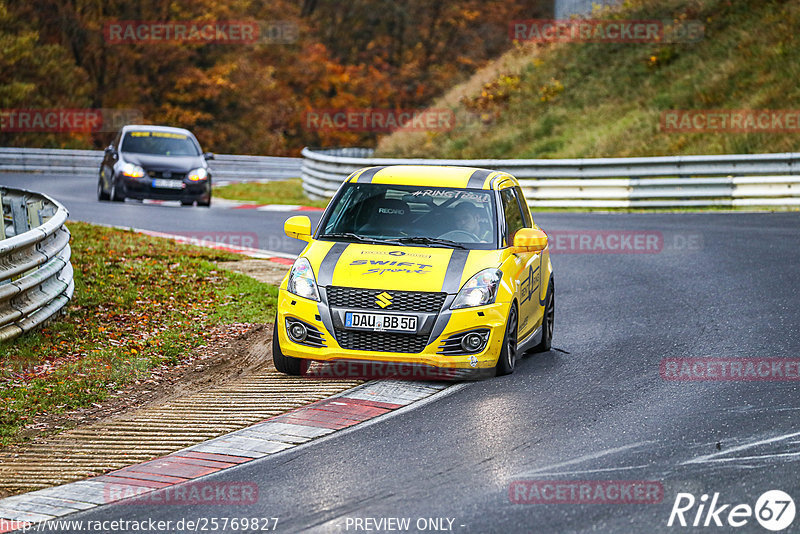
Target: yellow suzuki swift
{"x": 421, "y": 265}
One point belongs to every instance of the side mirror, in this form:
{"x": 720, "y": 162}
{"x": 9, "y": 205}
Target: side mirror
{"x": 208, "y": 155}
{"x": 530, "y": 240}
{"x": 110, "y": 151}
{"x": 298, "y": 227}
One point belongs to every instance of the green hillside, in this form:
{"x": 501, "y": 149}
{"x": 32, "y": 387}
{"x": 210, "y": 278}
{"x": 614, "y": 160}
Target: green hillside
{"x": 606, "y": 99}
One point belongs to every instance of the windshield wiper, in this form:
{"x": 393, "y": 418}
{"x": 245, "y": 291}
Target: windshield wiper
{"x": 356, "y": 237}
{"x": 430, "y": 241}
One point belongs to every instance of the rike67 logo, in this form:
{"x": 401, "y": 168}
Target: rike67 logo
{"x": 774, "y": 510}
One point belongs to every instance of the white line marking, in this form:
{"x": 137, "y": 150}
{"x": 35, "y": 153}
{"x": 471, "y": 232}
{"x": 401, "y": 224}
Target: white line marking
{"x": 592, "y": 456}
{"x": 762, "y": 457}
{"x": 746, "y": 446}
{"x": 586, "y": 471}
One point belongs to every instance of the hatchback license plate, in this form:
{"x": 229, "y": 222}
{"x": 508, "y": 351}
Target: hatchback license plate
{"x": 167, "y": 184}
{"x": 379, "y": 322}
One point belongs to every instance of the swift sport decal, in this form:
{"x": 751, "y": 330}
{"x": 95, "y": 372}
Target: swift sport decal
{"x": 383, "y": 266}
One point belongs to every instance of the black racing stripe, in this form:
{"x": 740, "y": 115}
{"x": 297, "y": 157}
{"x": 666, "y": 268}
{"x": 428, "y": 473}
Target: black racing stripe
{"x": 329, "y": 262}
{"x": 452, "y": 278}
{"x": 441, "y": 320}
{"x": 478, "y": 178}
{"x": 366, "y": 176}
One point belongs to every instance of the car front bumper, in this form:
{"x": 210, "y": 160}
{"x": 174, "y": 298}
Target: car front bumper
{"x": 491, "y": 317}
{"x": 142, "y": 188}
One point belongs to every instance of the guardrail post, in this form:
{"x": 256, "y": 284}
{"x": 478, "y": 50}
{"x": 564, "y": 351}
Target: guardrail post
{"x": 2, "y": 219}
{"x": 35, "y": 213}
{"x": 19, "y": 216}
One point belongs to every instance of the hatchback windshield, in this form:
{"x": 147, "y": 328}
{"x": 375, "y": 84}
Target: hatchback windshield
{"x": 159, "y": 143}
{"x": 423, "y": 216}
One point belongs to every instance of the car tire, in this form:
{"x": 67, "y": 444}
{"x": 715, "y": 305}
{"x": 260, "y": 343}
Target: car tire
{"x": 101, "y": 194}
{"x": 204, "y": 203}
{"x": 115, "y": 195}
{"x": 285, "y": 364}
{"x": 549, "y": 319}
{"x": 508, "y": 354}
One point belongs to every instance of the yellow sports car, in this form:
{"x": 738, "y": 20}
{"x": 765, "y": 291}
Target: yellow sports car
{"x": 420, "y": 265}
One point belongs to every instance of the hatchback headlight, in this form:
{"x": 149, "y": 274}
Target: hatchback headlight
{"x": 197, "y": 175}
{"x": 134, "y": 171}
{"x": 301, "y": 280}
{"x": 479, "y": 290}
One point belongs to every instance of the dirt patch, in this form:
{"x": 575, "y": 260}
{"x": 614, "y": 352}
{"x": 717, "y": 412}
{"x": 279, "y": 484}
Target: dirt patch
{"x": 262, "y": 270}
{"x": 233, "y": 350}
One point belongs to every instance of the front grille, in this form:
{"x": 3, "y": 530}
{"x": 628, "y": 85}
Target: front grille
{"x": 381, "y": 341}
{"x": 172, "y": 176}
{"x": 416, "y": 301}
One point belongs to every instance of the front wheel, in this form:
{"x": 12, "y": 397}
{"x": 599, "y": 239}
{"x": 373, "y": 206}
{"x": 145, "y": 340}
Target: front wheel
{"x": 508, "y": 354}
{"x": 285, "y": 364}
{"x": 548, "y": 319}
{"x": 116, "y": 195}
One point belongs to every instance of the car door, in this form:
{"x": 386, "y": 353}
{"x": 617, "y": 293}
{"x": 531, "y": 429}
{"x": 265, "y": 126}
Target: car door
{"x": 528, "y": 268}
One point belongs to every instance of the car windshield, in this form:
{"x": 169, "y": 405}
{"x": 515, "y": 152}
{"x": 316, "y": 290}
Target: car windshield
{"x": 415, "y": 216}
{"x": 159, "y": 143}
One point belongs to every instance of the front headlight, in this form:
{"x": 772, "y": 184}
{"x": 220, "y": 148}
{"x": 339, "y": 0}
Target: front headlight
{"x": 480, "y": 290}
{"x": 301, "y": 280}
{"x": 134, "y": 171}
{"x": 197, "y": 175}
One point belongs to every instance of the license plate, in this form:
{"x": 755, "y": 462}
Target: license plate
{"x": 167, "y": 184}
{"x": 380, "y": 322}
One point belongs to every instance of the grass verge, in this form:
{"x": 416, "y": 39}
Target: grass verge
{"x": 277, "y": 192}
{"x": 140, "y": 302}
{"x": 585, "y": 100}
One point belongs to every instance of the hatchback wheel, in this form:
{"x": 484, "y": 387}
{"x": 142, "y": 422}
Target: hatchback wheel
{"x": 508, "y": 354}
{"x": 549, "y": 319}
{"x": 285, "y": 364}
{"x": 116, "y": 195}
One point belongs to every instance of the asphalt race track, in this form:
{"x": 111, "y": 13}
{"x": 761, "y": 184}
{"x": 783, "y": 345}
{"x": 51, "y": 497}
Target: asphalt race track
{"x": 717, "y": 285}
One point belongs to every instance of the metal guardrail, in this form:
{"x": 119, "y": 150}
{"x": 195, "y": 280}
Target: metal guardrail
{"x": 35, "y": 271}
{"x": 224, "y": 167}
{"x": 661, "y": 182}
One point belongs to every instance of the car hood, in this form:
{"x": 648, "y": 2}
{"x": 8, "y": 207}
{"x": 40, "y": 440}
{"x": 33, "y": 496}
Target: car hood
{"x": 152, "y": 162}
{"x": 393, "y": 267}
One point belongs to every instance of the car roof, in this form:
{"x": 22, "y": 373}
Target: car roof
{"x": 434, "y": 176}
{"x": 155, "y": 128}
